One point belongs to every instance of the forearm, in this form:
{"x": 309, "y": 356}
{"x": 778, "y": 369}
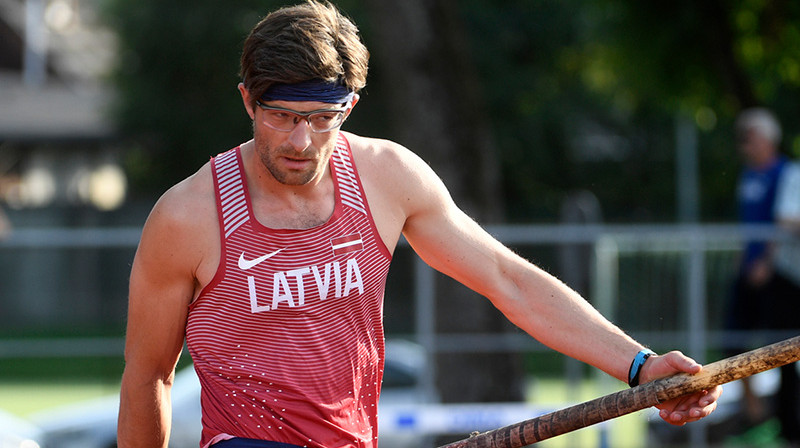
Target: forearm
{"x": 145, "y": 413}
{"x": 558, "y": 317}
{"x": 528, "y": 296}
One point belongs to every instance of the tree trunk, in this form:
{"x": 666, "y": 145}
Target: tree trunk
{"x": 421, "y": 53}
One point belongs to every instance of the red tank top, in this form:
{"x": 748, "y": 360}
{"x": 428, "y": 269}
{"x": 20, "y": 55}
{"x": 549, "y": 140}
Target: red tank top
{"x": 287, "y": 339}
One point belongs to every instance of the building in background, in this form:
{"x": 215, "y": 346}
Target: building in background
{"x": 57, "y": 145}
{"x": 60, "y": 169}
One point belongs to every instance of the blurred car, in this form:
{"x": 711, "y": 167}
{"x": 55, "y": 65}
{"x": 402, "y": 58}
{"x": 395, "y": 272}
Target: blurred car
{"x": 93, "y": 424}
{"x": 17, "y": 433}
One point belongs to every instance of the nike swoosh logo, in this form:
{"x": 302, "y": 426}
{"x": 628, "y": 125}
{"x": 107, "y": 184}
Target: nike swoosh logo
{"x": 248, "y": 264}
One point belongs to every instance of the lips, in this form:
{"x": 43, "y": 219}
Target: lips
{"x": 296, "y": 163}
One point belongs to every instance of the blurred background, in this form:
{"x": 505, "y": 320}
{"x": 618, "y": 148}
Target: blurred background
{"x": 593, "y": 136}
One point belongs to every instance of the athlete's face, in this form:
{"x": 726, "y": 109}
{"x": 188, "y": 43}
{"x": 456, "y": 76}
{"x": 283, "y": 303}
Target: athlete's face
{"x": 295, "y": 157}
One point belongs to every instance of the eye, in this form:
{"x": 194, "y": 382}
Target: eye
{"x": 324, "y": 117}
{"x": 279, "y": 115}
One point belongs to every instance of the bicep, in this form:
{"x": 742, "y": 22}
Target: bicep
{"x": 412, "y": 199}
{"x": 161, "y": 288}
{"x": 451, "y": 242}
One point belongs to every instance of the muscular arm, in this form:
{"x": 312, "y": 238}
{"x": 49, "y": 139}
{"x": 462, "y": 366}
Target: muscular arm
{"x": 162, "y": 285}
{"x": 452, "y": 243}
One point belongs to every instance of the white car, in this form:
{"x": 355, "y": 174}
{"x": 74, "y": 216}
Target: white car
{"x": 18, "y": 433}
{"x": 93, "y": 424}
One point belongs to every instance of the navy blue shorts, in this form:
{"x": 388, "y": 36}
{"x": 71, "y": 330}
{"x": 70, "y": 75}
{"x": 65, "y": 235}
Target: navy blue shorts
{"x": 239, "y": 442}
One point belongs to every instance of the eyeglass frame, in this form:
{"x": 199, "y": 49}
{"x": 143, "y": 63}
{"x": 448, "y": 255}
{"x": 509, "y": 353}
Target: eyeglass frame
{"x": 304, "y": 116}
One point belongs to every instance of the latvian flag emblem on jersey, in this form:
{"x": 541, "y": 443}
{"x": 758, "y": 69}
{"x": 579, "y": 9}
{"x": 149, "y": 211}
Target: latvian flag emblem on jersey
{"x": 346, "y": 244}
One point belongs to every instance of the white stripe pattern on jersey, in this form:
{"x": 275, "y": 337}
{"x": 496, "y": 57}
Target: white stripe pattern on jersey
{"x": 349, "y": 191}
{"x": 232, "y": 198}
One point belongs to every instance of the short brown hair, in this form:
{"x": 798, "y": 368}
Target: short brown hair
{"x": 302, "y": 43}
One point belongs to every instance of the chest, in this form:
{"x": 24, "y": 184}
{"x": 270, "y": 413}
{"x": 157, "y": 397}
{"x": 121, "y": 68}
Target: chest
{"x": 295, "y": 211}
{"x": 758, "y": 189}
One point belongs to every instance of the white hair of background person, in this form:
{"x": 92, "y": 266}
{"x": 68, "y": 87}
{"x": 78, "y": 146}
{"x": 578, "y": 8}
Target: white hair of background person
{"x": 762, "y": 121}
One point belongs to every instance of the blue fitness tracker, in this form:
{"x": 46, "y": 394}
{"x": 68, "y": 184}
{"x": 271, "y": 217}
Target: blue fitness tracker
{"x": 636, "y": 366}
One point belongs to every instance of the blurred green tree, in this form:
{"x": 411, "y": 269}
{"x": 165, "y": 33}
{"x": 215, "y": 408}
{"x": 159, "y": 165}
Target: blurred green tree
{"x": 578, "y": 94}
{"x": 177, "y": 73}
{"x": 584, "y": 95}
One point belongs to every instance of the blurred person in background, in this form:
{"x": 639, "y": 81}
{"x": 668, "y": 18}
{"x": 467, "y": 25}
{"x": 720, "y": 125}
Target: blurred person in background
{"x": 766, "y": 292}
{"x": 271, "y": 261}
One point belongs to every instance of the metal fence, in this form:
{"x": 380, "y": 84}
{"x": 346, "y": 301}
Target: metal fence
{"x": 666, "y": 284}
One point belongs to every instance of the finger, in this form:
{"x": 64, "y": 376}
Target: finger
{"x": 691, "y": 409}
{"x": 705, "y": 406}
{"x": 682, "y": 363}
{"x": 699, "y": 413}
{"x": 673, "y": 418}
{"x": 704, "y": 411}
{"x": 711, "y": 396}
{"x": 669, "y": 364}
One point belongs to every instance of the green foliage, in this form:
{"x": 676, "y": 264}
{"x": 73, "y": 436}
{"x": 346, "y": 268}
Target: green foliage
{"x": 585, "y": 95}
{"x": 64, "y": 369}
{"x": 178, "y": 72}
{"x": 582, "y": 94}
{"x": 560, "y": 117}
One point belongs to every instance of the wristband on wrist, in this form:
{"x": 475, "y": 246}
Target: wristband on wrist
{"x": 636, "y": 366}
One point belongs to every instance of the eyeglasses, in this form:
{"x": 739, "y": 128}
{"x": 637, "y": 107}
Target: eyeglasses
{"x": 285, "y": 120}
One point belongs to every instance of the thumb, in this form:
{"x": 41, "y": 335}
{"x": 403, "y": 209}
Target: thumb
{"x": 669, "y": 364}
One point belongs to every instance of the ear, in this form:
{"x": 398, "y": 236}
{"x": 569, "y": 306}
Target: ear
{"x": 246, "y": 99}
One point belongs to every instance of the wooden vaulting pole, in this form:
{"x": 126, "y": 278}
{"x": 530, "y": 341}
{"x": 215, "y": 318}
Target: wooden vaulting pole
{"x": 634, "y": 399}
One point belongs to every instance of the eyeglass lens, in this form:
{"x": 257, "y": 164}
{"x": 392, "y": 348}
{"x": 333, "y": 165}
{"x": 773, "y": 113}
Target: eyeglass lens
{"x": 284, "y": 120}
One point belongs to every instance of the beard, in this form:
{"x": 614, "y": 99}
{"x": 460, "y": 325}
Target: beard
{"x": 272, "y": 159}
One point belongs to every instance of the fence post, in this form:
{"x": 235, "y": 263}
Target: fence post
{"x": 425, "y": 309}
{"x": 605, "y": 289}
{"x": 696, "y": 310}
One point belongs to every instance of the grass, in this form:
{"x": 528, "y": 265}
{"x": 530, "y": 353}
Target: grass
{"x": 25, "y": 398}
{"x": 29, "y": 385}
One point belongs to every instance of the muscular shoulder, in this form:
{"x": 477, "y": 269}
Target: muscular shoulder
{"x": 183, "y": 224}
{"x": 190, "y": 203}
{"x": 398, "y": 184}
{"x": 390, "y": 164}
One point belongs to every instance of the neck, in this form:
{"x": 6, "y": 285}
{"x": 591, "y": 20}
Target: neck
{"x": 280, "y": 205}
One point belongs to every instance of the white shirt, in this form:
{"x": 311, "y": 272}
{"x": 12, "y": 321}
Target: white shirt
{"x": 787, "y": 208}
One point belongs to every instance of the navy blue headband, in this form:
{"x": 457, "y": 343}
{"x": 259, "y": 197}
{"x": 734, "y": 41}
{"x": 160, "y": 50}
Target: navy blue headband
{"x": 314, "y": 90}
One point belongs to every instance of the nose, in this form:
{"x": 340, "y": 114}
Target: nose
{"x": 300, "y": 137}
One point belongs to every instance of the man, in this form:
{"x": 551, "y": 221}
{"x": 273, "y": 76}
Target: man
{"x": 271, "y": 261}
{"x": 767, "y": 287}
